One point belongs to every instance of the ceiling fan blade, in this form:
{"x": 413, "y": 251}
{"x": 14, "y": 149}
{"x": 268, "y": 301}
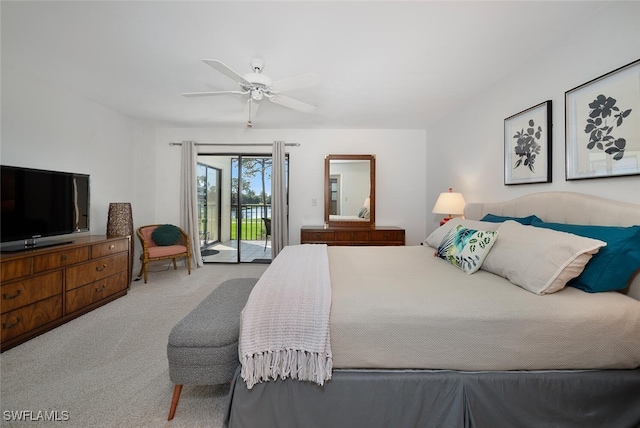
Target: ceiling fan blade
{"x": 206, "y": 94}
{"x": 292, "y": 103}
{"x": 224, "y": 69}
{"x": 296, "y": 82}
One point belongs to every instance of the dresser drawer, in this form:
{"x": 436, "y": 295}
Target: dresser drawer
{"x": 109, "y": 248}
{"x": 30, "y": 317}
{"x": 27, "y": 291}
{"x": 60, "y": 259}
{"x": 356, "y": 236}
{"x": 85, "y": 273}
{"x": 14, "y": 269}
{"x": 90, "y": 293}
{"x": 308, "y": 236}
{"x": 388, "y": 235}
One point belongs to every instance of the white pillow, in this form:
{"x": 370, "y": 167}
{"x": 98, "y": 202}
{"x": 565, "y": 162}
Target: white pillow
{"x": 438, "y": 235}
{"x": 539, "y": 260}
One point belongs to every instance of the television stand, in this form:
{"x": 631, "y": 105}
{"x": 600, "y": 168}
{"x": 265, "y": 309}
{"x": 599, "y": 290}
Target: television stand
{"x": 45, "y": 287}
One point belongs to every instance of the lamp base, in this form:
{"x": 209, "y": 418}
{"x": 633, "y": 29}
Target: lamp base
{"x": 444, "y": 220}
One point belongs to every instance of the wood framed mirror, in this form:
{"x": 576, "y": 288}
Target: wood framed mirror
{"x": 350, "y": 190}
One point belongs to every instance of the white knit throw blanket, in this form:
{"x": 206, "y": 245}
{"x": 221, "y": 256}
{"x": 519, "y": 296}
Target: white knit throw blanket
{"x": 284, "y": 330}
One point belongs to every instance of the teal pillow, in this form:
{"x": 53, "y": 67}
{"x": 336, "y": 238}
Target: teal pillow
{"x": 499, "y": 219}
{"x": 614, "y": 265}
{"x": 465, "y": 248}
{"x": 166, "y": 234}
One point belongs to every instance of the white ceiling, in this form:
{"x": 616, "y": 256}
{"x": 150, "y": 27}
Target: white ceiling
{"x": 381, "y": 64}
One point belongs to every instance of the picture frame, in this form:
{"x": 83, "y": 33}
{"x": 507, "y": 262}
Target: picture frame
{"x": 527, "y": 146}
{"x": 602, "y": 126}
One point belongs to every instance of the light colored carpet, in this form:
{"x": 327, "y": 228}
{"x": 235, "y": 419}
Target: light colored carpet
{"x": 109, "y": 367}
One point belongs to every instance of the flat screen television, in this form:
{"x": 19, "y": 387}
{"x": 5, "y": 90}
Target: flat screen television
{"x": 38, "y": 203}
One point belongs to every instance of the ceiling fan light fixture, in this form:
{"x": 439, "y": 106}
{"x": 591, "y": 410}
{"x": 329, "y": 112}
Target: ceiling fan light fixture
{"x": 256, "y": 94}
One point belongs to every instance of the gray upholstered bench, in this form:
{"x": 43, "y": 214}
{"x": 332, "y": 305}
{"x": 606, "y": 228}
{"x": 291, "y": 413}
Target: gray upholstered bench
{"x": 203, "y": 346}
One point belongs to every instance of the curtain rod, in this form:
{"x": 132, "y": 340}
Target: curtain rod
{"x": 238, "y": 144}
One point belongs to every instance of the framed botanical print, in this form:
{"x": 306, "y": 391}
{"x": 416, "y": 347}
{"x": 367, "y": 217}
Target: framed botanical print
{"x": 527, "y": 146}
{"x": 602, "y": 125}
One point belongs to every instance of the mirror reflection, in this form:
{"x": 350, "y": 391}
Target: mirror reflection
{"x": 349, "y": 189}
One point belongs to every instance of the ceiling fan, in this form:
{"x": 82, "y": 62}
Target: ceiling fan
{"x": 258, "y": 86}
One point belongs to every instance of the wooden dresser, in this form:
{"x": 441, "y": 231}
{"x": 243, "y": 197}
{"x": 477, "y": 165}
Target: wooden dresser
{"x": 378, "y": 235}
{"x": 44, "y": 288}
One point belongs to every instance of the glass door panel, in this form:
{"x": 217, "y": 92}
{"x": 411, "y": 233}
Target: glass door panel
{"x": 209, "y": 203}
{"x": 255, "y": 208}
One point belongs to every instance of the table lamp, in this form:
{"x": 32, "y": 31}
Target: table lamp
{"x": 449, "y": 203}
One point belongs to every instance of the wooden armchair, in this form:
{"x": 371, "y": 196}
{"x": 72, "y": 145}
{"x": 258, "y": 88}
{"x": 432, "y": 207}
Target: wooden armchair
{"x": 152, "y": 252}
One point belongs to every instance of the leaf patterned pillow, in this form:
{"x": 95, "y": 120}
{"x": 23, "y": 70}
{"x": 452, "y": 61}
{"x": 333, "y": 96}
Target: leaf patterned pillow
{"x": 465, "y": 248}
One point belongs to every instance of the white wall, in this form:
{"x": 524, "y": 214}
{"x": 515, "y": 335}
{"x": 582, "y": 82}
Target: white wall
{"x": 401, "y": 173}
{"x": 47, "y": 127}
{"x": 466, "y": 149}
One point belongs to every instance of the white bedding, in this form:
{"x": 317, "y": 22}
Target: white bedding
{"x": 400, "y": 307}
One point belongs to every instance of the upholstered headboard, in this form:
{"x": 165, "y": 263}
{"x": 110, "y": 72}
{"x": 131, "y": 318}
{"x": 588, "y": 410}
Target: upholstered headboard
{"x": 562, "y": 207}
{"x": 566, "y": 207}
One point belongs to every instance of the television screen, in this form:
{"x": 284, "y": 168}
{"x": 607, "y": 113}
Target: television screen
{"x": 42, "y": 203}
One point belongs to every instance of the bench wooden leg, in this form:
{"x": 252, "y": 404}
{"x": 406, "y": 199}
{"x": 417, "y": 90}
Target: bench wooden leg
{"x": 174, "y": 401}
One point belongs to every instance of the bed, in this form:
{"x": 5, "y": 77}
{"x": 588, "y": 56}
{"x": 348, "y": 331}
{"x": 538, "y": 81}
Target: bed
{"x": 415, "y": 341}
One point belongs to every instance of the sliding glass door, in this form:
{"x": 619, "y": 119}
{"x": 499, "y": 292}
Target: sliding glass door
{"x": 243, "y": 211}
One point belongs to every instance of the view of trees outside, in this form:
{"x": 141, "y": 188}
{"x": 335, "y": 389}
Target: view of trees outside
{"x": 256, "y": 185}
{"x": 255, "y": 198}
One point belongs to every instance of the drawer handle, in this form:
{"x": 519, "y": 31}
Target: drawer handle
{"x": 112, "y": 246}
{"x": 7, "y": 325}
{"x": 5, "y": 296}
{"x": 101, "y": 268}
{"x": 100, "y": 289}
{"x": 63, "y": 258}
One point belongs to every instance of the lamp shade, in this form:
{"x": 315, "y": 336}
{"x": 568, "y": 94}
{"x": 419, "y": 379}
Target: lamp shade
{"x": 449, "y": 203}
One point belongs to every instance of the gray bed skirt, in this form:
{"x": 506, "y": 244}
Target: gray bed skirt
{"x": 441, "y": 398}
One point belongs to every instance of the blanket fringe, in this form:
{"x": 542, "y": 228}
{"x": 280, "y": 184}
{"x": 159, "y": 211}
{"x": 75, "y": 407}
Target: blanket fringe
{"x": 296, "y": 364}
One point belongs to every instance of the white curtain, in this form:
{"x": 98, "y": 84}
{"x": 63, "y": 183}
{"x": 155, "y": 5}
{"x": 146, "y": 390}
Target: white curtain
{"x": 279, "y": 208}
{"x": 189, "y": 198}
